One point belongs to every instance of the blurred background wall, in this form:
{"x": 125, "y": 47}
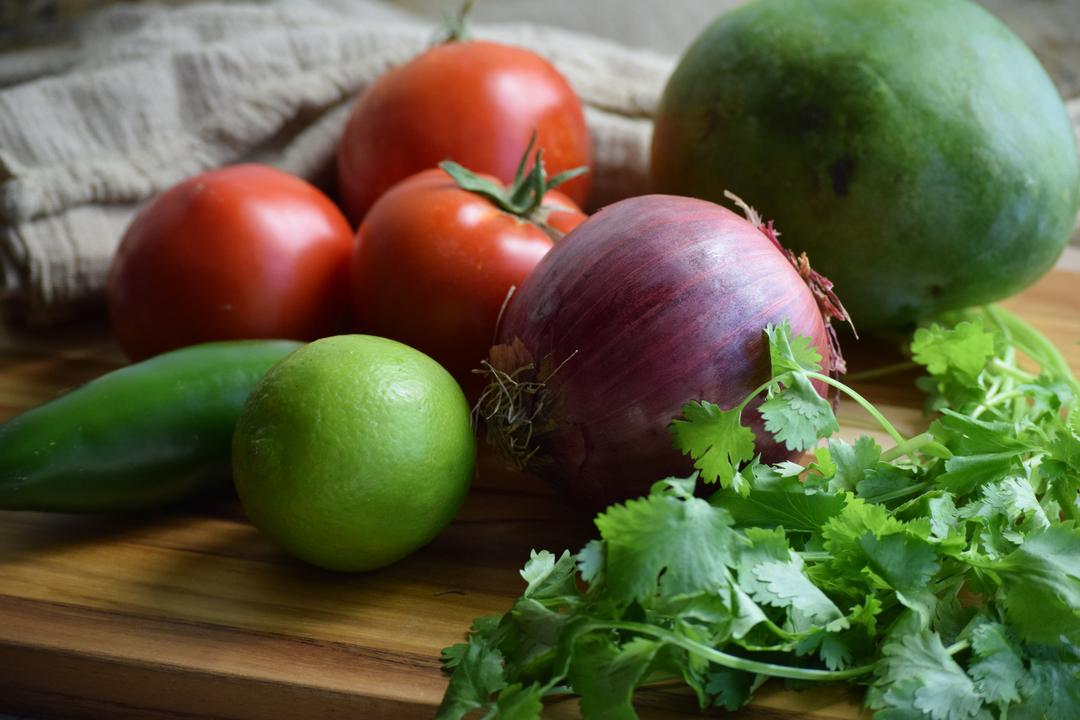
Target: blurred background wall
{"x": 1050, "y": 27}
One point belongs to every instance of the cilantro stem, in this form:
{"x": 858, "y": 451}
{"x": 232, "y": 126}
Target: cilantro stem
{"x": 888, "y": 497}
{"x": 785, "y": 647}
{"x": 1012, "y": 371}
{"x": 814, "y": 555}
{"x": 992, "y": 400}
{"x": 882, "y": 371}
{"x": 1033, "y": 344}
{"x": 663, "y": 682}
{"x": 925, "y": 442}
{"x": 857, "y": 423}
{"x": 959, "y": 646}
{"x": 777, "y": 630}
{"x": 863, "y": 402}
{"x": 785, "y": 377}
{"x": 735, "y": 662}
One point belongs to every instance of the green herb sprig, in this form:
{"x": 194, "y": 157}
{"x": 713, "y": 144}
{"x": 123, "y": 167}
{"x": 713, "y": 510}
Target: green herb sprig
{"x": 943, "y": 573}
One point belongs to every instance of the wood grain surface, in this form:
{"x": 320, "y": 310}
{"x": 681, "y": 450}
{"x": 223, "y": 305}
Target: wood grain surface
{"x": 192, "y": 614}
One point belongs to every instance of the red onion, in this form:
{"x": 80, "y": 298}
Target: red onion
{"x": 651, "y": 303}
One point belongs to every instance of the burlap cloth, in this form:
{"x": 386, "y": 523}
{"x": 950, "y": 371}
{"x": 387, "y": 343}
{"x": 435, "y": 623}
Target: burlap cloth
{"x": 146, "y": 96}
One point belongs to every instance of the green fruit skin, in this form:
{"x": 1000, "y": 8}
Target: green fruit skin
{"x": 344, "y": 501}
{"x": 915, "y": 149}
{"x": 144, "y": 436}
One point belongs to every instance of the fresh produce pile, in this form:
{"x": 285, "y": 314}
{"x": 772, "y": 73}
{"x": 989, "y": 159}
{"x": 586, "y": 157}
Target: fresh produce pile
{"x": 943, "y": 573}
{"x": 667, "y": 361}
{"x": 352, "y": 451}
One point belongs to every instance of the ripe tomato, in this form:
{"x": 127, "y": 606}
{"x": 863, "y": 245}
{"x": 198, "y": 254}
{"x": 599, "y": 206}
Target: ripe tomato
{"x": 246, "y": 251}
{"x": 433, "y": 264}
{"x": 473, "y": 102}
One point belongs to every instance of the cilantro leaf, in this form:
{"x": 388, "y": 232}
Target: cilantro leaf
{"x": 1011, "y": 507}
{"x": 965, "y": 473}
{"x": 762, "y": 546}
{"x": 968, "y": 435}
{"x": 982, "y": 451}
{"x": 679, "y": 487}
{"x": 834, "y": 648}
{"x": 785, "y": 502}
{"x": 731, "y": 689}
{"x": 907, "y": 563}
{"x": 943, "y": 514}
{"x": 1065, "y": 448}
{"x": 1041, "y": 579}
{"x": 549, "y": 578}
{"x": 716, "y": 440}
{"x": 883, "y": 482}
{"x": 999, "y": 669}
{"x": 783, "y": 584}
{"x": 789, "y": 352}
{"x": 451, "y": 656}
{"x": 870, "y": 548}
{"x": 916, "y": 674}
{"x": 823, "y": 463}
{"x": 797, "y": 416}
{"x": 835, "y": 652}
{"x": 478, "y": 674}
{"x": 690, "y": 541}
{"x": 605, "y": 675}
{"x": 852, "y": 462}
{"x": 843, "y": 533}
{"x": 590, "y": 562}
{"x": 748, "y": 614}
{"x": 865, "y": 614}
{"x": 961, "y": 351}
{"x": 517, "y": 702}
{"x": 1051, "y": 689}
{"x": 483, "y": 629}
{"x": 533, "y": 636}
{"x": 773, "y": 575}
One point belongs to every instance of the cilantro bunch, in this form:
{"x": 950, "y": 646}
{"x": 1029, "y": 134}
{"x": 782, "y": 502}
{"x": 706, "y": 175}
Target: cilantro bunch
{"x": 942, "y": 573}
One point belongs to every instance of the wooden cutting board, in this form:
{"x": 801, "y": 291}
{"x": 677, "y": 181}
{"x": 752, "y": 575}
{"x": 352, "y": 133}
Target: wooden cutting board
{"x": 191, "y": 614}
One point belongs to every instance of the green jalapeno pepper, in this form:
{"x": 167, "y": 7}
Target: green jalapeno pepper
{"x": 143, "y": 436}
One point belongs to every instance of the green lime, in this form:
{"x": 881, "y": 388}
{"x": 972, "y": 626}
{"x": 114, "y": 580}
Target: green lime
{"x": 353, "y": 452}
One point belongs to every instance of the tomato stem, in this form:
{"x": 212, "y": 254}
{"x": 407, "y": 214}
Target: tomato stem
{"x": 456, "y": 27}
{"x": 524, "y": 197}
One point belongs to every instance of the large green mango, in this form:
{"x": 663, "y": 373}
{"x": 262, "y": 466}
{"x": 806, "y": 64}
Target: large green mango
{"x": 915, "y": 149}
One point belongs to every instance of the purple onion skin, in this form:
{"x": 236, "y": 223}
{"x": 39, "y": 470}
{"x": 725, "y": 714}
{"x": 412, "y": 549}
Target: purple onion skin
{"x": 656, "y": 300}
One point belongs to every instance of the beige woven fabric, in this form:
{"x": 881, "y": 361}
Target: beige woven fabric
{"x": 148, "y": 95}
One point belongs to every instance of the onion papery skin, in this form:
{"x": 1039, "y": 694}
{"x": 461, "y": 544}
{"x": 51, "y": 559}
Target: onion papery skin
{"x": 653, "y": 302}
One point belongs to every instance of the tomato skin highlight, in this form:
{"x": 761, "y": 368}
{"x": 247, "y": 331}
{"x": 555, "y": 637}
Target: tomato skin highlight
{"x": 476, "y": 103}
{"x": 433, "y": 263}
{"x": 245, "y": 251}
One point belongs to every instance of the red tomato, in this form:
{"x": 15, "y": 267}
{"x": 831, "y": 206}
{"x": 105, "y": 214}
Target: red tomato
{"x": 433, "y": 264}
{"x": 473, "y": 102}
{"x": 246, "y": 251}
